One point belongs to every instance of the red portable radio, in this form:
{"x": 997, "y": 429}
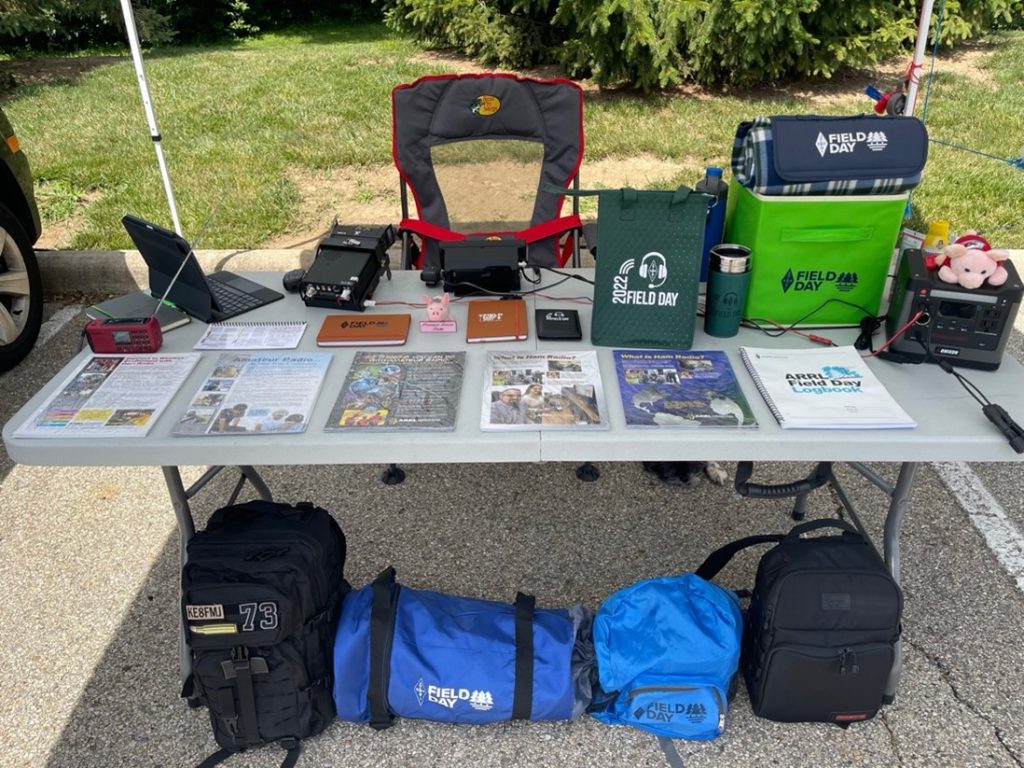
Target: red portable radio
{"x": 127, "y": 335}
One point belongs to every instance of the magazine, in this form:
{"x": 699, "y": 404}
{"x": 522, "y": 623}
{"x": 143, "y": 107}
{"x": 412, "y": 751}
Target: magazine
{"x": 256, "y": 393}
{"x": 829, "y": 388}
{"x": 680, "y": 389}
{"x": 386, "y": 391}
{"x": 543, "y": 390}
{"x": 111, "y": 396}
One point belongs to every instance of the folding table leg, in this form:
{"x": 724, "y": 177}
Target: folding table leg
{"x": 898, "y": 502}
{"x": 187, "y": 528}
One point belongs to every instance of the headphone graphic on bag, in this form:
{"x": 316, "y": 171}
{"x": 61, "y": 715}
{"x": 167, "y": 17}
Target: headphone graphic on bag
{"x": 653, "y": 269}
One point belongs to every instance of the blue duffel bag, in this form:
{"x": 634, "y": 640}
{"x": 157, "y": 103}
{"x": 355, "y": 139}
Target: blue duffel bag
{"x": 667, "y": 650}
{"x": 412, "y": 653}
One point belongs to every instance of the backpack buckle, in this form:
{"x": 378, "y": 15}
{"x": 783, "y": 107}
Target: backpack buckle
{"x": 241, "y": 661}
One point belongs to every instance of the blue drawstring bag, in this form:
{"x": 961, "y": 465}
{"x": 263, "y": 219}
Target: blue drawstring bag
{"x": 667, "y": 650}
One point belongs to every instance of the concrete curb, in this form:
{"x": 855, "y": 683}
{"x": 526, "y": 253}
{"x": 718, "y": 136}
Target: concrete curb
{"x": 118, "y": 272}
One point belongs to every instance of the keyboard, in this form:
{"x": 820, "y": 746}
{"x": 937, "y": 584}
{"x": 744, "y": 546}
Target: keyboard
{"x": 231, "y": 300}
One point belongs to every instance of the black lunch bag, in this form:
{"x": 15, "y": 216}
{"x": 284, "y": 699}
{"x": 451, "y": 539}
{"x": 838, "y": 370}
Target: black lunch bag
{"x": 819, "y": 638}
{"x": 261, "y": 594}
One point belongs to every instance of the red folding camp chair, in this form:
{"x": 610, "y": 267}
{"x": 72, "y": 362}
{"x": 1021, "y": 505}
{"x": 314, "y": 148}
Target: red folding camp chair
{"x": 467, "y": 145}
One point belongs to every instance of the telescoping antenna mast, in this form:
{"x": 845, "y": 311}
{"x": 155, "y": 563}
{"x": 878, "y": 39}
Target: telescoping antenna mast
{"x": 133, "y": 42}
{"x": 923, "y": 23}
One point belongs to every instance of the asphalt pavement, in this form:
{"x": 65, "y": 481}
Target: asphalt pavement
{"x": 89, "y": 562}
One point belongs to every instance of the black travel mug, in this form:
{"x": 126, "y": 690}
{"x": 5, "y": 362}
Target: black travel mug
{"x": 728, "y": 278}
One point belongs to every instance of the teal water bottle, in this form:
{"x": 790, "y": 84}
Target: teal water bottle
{"x": 728, "y": 279}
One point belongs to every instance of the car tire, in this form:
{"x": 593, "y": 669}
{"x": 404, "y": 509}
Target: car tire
{"x": 21, "y": 292}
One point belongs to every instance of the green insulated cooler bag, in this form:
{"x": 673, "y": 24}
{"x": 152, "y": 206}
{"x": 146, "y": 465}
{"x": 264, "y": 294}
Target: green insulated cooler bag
{"x": 648, "y": 267}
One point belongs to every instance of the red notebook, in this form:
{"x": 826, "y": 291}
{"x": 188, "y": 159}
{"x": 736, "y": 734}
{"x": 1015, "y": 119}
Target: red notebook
{"x": 497, "y": 320}
{"x": 363, "y": 331}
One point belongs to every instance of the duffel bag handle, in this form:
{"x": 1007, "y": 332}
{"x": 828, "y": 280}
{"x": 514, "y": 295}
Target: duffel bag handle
{"x": 822, "y": 474}
{"x": 382, "y": 610}
{"x": 813, "y": 525}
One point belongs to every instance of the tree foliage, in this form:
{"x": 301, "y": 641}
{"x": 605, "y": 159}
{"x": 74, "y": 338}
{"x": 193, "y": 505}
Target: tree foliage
{"x": 652, "y": 44}
{"x": 68, "y": 25}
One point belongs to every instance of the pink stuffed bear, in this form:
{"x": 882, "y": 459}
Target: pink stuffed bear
{"x": 437, "y": 307}
{"x": 969, "y": 262}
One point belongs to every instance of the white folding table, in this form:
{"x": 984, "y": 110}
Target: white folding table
{"x": 950, "y": 427}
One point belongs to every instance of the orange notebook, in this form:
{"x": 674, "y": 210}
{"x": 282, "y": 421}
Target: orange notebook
{"x": 363, "y": 331}
{"x": 497, "y": 320}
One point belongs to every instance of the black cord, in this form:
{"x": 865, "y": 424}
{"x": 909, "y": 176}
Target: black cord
{"x": 507, "y": 294}
{"x": 784, "y": 329}
{"x": 523, "y": 270}
{"x": 567, "y": 275}
{"x": 994, "y": 412}
{"x": 868, "y": 326}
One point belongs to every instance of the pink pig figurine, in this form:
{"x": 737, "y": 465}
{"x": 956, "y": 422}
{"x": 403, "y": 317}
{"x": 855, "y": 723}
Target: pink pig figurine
{"x": 437, "y": 307}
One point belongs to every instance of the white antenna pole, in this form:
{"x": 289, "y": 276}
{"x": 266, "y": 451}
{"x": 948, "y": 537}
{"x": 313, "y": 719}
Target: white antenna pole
{"x": 133, "y": 42}
{"x": 919, "y": 46}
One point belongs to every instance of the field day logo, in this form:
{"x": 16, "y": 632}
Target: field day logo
{"x": 831, "y": 378}
{"x": 651, "y": 274}
{"x": 663, "y": 712}
{"x": 843, "y": 143}
{"x": 813, "y": 279}
{"x": 485, "y": 105}
{"x": 482, "y": 701}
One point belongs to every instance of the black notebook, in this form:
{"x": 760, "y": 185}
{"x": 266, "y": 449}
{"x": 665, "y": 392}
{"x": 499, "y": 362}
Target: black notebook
{"x": 138, "y": 304}
{"x": 561, "y": 324}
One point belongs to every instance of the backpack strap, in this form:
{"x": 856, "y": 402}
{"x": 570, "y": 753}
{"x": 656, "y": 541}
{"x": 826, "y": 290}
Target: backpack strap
{"x": 718, "y": 559}
{"x": 216, "y": 758}
{"x": 671, "y": 754}
{"x": 382, "y": 626}
{"x": 294, "y": 749}
{"x": 522, "y": 697}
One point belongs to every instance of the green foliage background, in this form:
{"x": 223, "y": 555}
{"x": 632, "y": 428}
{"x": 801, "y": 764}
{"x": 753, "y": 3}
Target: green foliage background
{"x": 32, "y": 26}
{"x": 653, "y": 44}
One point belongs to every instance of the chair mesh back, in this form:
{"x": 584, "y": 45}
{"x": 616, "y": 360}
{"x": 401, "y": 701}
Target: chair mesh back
{"x": 434, "y": 111}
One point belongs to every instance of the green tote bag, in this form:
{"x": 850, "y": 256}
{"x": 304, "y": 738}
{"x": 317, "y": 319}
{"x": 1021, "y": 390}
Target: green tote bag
{"x": 648, "y": 267}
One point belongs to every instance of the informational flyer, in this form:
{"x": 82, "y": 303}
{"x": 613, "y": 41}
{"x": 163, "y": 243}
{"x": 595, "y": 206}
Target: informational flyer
{"x": 680, "y": 388}
{"x": 111, "y": 396}
{"x": 542, "y": 390}
{"x": 399, "y": 391}
{"x": 252, "y": 394}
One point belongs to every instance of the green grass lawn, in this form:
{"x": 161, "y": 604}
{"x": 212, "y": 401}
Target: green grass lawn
{"x": 240, "y": 123}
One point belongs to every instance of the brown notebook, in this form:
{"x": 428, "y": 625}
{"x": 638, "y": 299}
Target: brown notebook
{"x": 497, "y": 320}
{"x": 363, "y": 331}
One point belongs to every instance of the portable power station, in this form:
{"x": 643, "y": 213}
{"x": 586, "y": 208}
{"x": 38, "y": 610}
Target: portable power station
{"x": 969, "y": 328}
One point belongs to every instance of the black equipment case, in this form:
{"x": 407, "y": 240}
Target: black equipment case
{"x": 820, "y": 635}
{"x": 347, "y": 267}
{"x": 261, "y": 594}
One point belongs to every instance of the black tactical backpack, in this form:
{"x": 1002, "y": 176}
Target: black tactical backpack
{"x": 261, "y": 594}
{"x": 819, "y": 639}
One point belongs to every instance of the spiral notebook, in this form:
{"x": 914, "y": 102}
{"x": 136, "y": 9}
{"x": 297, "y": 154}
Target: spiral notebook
{"x": 830, "y": 388}
{"x": 239, "y": 334}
